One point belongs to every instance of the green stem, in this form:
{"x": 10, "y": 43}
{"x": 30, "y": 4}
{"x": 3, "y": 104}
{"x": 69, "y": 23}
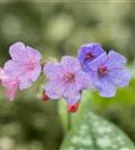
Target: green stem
{"x": 69, "y": 118}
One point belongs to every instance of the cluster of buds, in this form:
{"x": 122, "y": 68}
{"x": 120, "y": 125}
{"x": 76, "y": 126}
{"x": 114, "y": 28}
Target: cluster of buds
{"x": 92, "y": 69}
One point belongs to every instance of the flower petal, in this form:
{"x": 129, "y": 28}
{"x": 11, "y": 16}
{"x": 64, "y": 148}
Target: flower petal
{"x": 28, "y": 78}
{"x": 94, "y": 49}
{"x": 17, "y": 51}
{"x": 70, "y": 64}
{"x": 11, "y": 86}
{"x": 120, "y": 78}
{"x": 72, "y": 95}
{"x": 20, "y": 53}
{"x": 106, "y": 88}
{"x": 33, "y": 53}
{"x": 115, "y": 60}
{"x": 82, "y": 81}
{"x": 25, "y": 82}
{"x": 10, "y": 94}
{"x": 20, "y": 71}
{"x": 97, "y": 62}
{"x": 36, "y": 72}
{"x": 55, "y": 89}
{"x": 53, "y": 70}
{"x": 14, "y": 68}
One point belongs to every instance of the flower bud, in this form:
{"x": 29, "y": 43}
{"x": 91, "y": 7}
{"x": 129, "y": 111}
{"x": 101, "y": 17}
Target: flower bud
{"x": 44, "y": 96}
{"x": 73, "y": 108}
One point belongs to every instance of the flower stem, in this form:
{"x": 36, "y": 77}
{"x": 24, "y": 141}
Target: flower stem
{"x": 69, "y": 118}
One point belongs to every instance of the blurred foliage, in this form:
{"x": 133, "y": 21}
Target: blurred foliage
{"x": 29, "y": 124}
{"x": 56, "y": 29}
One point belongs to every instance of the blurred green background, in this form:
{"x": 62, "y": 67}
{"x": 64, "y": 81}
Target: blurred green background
{"x": 59, "y": 28}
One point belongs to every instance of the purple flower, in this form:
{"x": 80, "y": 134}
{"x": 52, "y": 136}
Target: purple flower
{"x": 108, "y": 73}
{"x": 10, "y": 83}
{"x": 66, "y": 79}
{"x": 88, "y": 52}
{"x": 24, "y": 65}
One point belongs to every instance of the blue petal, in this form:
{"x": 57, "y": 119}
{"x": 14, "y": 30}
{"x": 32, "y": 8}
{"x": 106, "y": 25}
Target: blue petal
{"x": 107, "y": 88}
{"x": 120, "y": 78}
{"x": 115, "y": 60}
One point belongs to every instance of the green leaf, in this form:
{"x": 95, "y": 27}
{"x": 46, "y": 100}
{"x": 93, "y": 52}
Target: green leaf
{"x": 95, "y": 133}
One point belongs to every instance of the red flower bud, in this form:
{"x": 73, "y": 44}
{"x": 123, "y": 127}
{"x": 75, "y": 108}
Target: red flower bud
{"x": 73, "y": 108}
{"x": 44, "y": 96}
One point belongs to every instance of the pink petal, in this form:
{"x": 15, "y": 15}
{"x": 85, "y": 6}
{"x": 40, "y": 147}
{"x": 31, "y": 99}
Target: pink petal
{"x": 33, "y": 53}
{"x": 36, "y": 72}
{"x": 11, "y": 86}
{"x": 20, "y": 53}
{"x": 17, "y": 51}
{"x": 22, "y": 72}
{"x": 14, "y": 68}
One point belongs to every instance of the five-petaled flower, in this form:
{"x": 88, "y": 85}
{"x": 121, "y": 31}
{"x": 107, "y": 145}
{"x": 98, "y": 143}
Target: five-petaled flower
{"x": 24, "y": 65}
{"x": 66, "y": 79}
{"x": 88, "y": 52}
{"x": 108, "y": 72}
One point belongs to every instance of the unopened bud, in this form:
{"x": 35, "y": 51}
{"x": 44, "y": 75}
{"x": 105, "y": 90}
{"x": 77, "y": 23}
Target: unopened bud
{"x": 44, "y": 96}
{"x": 73, "y": 108}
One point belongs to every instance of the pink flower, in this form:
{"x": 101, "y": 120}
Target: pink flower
{"x": 11, "y": 84}
{"x": 24, "y": 65}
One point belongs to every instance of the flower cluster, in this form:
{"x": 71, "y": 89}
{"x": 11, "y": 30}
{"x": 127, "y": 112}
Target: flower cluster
{"x": 93, "y": 69}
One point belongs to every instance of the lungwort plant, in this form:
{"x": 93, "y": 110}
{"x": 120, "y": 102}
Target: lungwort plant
{"x": 91, "y": 69}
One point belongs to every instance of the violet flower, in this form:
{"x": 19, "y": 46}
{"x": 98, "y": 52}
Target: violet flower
{"x": 108, "y": 72}
{"x": 66, "y": 79}
{"x": 88, "y": 52}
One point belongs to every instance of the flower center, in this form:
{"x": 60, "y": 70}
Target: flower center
{"x": 102, "y": 71}
{"x": 31, "y": 66}
{"x": 89, "y": 56}
{"x": 69, "y": 76}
